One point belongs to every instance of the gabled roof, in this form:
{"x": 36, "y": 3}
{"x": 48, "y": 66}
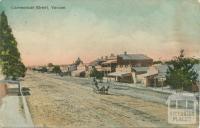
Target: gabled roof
{"x": 134, "y": 57}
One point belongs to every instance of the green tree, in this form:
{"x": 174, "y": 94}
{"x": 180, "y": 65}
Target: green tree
{"x": 96, "y": 74}
{"x": 181, "y": 74}
{"x": 12, "y": 66}
{"x": 56, "y": 69}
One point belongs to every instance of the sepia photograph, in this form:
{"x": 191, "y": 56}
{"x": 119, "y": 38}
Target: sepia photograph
{"x": 99, "y": 63}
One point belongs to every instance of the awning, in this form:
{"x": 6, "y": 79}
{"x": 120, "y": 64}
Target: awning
{"x": 119, "y": 74}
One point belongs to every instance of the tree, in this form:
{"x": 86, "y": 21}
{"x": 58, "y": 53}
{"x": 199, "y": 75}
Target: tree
{"x": 157, "y": 62}
{"x": 181, "y": 74}
{"x": 56, "y": 69}
{"x": 12, "y": 66}
{"x": 50, "y": 65}
{"x": 96, "y": 74}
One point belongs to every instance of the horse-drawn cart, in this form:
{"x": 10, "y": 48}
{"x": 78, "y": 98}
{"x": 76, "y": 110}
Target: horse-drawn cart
{"x": 100, "y": 87}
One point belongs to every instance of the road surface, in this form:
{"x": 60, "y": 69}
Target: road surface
{"x": 70, "y": 102}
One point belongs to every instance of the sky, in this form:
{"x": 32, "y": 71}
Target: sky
{"x": 93, "y": 28}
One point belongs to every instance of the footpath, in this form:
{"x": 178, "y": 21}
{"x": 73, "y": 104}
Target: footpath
{"x": 14, "y": 111}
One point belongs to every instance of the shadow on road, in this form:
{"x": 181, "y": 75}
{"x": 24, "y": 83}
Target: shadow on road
{"x": 16, "y": 92}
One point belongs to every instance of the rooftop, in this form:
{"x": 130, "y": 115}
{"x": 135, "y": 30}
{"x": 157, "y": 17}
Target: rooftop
{"x": 96, "y": 62}
{"x": 110, "y": 62}
{"x": 140, "y": 69}
{"x": 126, "y": 56}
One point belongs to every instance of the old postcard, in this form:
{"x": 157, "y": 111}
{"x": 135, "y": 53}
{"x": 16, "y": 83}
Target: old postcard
{"x": 99, "y": 63}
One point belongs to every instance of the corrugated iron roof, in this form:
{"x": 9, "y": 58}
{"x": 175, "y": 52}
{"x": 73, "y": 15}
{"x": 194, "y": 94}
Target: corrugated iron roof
{"x": 134, "y": 57}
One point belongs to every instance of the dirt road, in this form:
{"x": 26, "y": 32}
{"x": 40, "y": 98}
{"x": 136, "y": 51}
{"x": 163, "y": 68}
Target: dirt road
{"x": 66, "y": 103}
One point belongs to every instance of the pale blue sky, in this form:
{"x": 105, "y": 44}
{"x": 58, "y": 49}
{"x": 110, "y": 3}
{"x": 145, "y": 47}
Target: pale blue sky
{"x": 92, "y": 28}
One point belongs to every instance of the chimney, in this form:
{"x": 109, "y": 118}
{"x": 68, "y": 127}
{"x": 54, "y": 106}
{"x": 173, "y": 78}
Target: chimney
{"x": 125, "y": 53}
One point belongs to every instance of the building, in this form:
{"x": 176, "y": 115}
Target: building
{"x": 68, "y": 69}
{"x": 50, "y": 69}
{"x": 82, "y": 70}
{"x": 72, "y": 67}
{"x": 64, "y": 68}
{"x": 129, "y": 66}
{"x": 122, "y": 74}
{"x": 148, "y": 79}
{"x": 155, "y": 76}
{"x": 137, "y": 72}
{"x": 109, "y": 65}
{"x": 135, "y": 60}
{"x": 129, "y": 74}
{"x": 96, "y": 64}
{"x": 161, "y": 77}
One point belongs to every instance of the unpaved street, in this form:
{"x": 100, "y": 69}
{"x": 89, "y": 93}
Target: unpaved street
{"x": 64, "y": 102}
